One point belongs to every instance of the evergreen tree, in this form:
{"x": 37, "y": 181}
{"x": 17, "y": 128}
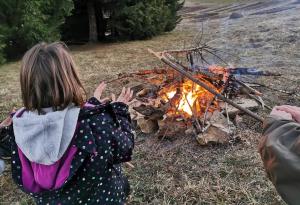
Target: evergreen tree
{"x": 121, "y": 19}
{"x": 173, "y": 18}
{"x": 139, "y": 19}
{"x": 24, "y": 23}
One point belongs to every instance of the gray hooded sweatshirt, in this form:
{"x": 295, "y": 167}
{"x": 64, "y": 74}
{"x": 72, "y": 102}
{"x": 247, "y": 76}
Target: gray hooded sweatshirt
{"x": 45, "y": 138}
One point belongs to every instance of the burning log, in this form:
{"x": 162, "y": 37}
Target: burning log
{"x": 148, "y": 126}
{"x": 187, "y": 99}
{"x": 167, "y": 128}
{"x": 252, "y": 90}
{"x": 182, "y": 71}
{"x": 218, "y": 131}
{"x": 150, "y": 112}
{"x": 215, "y": 134}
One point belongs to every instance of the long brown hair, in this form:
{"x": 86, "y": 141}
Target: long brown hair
{"x": 48, "y": 78}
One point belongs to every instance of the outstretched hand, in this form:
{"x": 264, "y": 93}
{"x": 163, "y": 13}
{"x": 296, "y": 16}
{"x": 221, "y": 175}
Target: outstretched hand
{"x": 292, "y": 110}
{"x": 282, "y": 114}
{"x": 98, "y": 92}
{"x": 125, "y": 96}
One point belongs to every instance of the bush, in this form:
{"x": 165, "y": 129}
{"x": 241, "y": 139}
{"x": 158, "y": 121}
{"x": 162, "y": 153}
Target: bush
{"x": 2, "y": 46}
{"x": 173, "y": 18}
{"x": 24, "y": 23}
{"x": 144, "y": 18}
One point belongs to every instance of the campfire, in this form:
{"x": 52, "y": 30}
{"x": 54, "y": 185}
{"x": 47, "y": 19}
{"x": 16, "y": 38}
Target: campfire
{"x": 188, "y": 98}
{"x": 183, "y": 98}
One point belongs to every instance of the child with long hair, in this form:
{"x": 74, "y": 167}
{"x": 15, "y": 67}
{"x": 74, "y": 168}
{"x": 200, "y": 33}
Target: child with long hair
{"x": 64, "y": 149}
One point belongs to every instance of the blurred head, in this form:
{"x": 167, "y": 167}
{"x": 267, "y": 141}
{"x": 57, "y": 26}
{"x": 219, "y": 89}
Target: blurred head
{"x": 49, "y": 79}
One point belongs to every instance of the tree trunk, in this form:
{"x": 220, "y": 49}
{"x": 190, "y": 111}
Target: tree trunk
{"x": 93, "y": 33}
{"x": 102, "y": 24}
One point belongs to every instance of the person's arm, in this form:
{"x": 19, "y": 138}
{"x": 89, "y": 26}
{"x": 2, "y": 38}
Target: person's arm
{"x": 280, "y": 153}
{"x": 123, "y": 137}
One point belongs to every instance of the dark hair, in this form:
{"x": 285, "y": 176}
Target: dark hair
{"x": 48, "y": 78}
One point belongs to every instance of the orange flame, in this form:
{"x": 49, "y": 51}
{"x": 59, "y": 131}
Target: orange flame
{"x": 185, "y": 97}
{"x": 192, "y": 99}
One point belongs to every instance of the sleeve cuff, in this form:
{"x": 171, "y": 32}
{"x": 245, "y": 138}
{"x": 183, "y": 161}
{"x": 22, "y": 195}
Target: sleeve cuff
{"x": 120, "y": 108}
{"x": 94, "y": 101}
{"x": 4, "y": 130}
{"x": 272, "y": 119}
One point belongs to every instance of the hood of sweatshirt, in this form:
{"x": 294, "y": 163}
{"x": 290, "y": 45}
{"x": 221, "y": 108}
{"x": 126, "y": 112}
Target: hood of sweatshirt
{"x": 44, "y": 139}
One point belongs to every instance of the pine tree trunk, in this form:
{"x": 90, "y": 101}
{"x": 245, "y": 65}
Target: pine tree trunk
{"x": 93, "y": 33}
{"x": 102, "y": 24}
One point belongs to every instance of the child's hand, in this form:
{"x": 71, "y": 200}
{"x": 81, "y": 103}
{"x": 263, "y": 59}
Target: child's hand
{"x": 125, "y": 96}
{"x": 98, "y": 92}
{"x": 292, "y": 110}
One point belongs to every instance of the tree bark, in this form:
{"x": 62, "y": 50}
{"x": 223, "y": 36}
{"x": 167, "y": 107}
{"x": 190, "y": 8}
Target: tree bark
{"x": 102, "y": 23}
{"x": 93, "y": 31}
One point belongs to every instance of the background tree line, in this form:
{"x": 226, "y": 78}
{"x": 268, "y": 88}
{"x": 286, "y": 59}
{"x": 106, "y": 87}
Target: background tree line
{"x": 23, "y": 23}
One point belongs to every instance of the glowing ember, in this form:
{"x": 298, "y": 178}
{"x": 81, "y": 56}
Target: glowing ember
{"x": 191, "y": 98}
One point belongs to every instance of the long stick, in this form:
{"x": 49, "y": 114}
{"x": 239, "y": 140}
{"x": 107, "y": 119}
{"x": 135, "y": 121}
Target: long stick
{"x": 206, "y": 87}
{"x": 256, "y": 92}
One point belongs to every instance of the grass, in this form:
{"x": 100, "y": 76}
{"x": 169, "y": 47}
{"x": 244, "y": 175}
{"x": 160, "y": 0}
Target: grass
{"x": 215, "y": 1}
{"x": 169, "y": 171}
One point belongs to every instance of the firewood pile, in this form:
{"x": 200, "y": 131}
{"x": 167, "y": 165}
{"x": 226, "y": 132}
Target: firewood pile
{"x": 182, "y": 98}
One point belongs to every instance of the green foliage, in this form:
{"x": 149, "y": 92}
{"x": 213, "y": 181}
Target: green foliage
{"x": 2, "y": 55}
{"x": 140, "y": 19}
{"x": 173, "y": 18}
{"x": 24, "y": 23}
{"x": 2, "y": 47}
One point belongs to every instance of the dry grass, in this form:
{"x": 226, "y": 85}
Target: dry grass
{"x": 176, "y": 170}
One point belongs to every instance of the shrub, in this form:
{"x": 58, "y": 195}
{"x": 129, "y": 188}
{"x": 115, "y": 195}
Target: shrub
{"x": 144, "y": 18}
{"x": 24, "y": 23}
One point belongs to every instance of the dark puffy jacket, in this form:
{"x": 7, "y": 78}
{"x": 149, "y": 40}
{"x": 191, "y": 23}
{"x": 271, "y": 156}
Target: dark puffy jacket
{"x": 280, "y": 152}
{"x": 103, "y": 139}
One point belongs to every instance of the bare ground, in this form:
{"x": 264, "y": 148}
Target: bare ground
{"x": 177, "y": 170}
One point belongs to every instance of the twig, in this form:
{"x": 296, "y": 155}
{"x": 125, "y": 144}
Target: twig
{"x": 214, "y": 98}
{"x": 173, "y": 118}
{"x": 256, "y": 92}
{"x": 206, "y": 110}
{"x": 181, "y": 70}
{"x": 218, "y": 57}
{"x": 193, "y": 114}
{"x": 227, "y": 115}
{"x": 260, "y": 101}
{"x": 206, "y": 128}
{"x": 274, "y": 89}
{"x": 184, "y": 50}
{"x": 130, "y": 165}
